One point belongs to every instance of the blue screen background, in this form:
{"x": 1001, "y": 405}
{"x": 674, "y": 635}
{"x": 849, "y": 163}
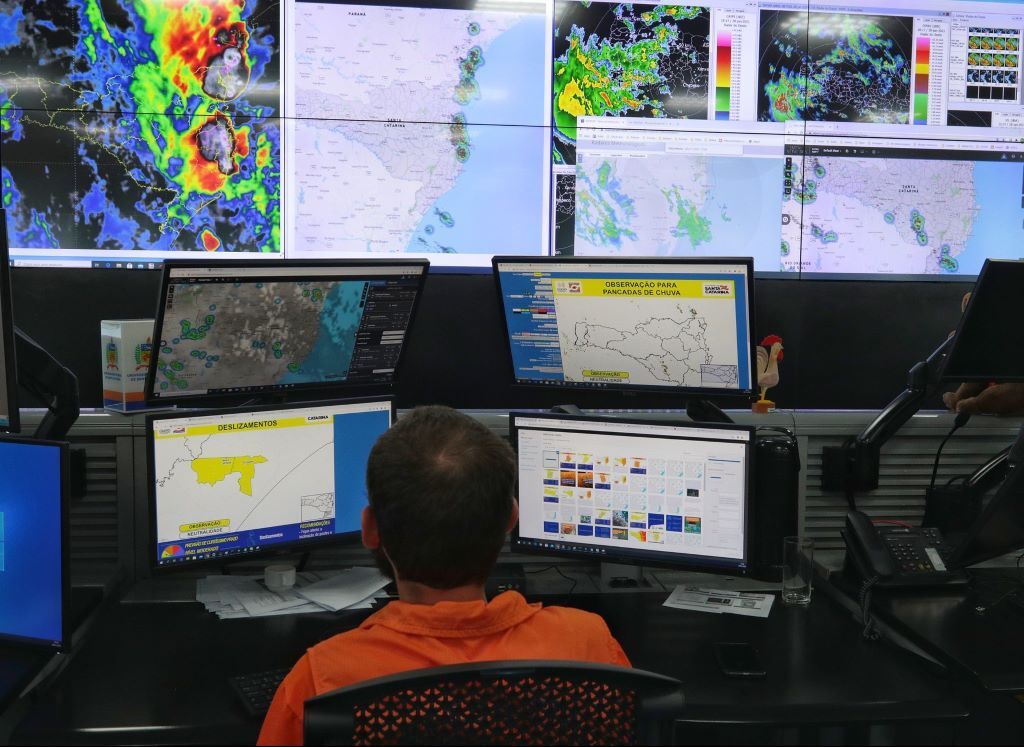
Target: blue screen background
{"x": 30, "y": 543}
{"x": 354, "y": 436}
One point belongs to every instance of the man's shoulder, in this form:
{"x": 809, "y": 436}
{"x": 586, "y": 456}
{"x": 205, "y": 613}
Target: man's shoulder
{"x": 579, "y": 621}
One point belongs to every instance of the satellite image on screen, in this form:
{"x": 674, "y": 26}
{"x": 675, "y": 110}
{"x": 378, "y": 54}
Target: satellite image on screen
{"x": 627, "y": 60}
{"x": 834, "y": 67}
{"x": 222, "y": 335}
{"x": 141, "y": 124}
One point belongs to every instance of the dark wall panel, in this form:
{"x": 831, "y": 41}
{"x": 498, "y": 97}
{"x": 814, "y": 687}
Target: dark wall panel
{"x": 848, "y": 344}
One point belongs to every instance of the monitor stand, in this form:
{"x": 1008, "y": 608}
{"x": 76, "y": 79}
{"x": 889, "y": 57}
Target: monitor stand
{"x": 698, "y": 410}
{"x": 706, "y": 411}
{"x": 622, "y": 577}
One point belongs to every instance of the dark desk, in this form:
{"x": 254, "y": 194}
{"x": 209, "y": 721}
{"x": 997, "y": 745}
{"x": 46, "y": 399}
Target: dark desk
{"x": 18, "y": 667}
{"x": 158, "y": 672}
{"x": 946, "y": 623}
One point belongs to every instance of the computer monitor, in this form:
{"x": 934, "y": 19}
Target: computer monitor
{"x": 621, "y": 490}
{"x": 234, "y": 483}
{"x": 9, "y": 420}
{"x": 989, "y": 341}
{"x": 242, "y": 328}
{"x": 34, "y": 542}
{"x": 678, "y": 325}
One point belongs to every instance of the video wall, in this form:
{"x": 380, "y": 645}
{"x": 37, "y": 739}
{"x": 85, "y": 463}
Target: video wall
{"x": 823, "y": 138}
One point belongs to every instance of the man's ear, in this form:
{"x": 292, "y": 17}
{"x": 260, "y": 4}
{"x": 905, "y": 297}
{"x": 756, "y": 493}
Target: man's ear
{"x": 514, "y": 518}
{"x": 371, "y": 535}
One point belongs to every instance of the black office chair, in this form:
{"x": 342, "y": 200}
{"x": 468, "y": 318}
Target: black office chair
{"x": 500, "y": 702}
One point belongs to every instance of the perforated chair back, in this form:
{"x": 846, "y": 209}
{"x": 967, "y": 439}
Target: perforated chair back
{"x": 500, "y": 702}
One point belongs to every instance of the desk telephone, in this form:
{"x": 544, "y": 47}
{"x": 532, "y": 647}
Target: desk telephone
{"x": 899, "y": 555}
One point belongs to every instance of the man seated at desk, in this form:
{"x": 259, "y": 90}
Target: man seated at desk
{"x": 441, "y": 500}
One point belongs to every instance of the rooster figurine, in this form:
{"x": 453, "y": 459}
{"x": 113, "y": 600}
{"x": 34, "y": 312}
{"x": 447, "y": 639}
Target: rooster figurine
{"x": 769, "y": 355}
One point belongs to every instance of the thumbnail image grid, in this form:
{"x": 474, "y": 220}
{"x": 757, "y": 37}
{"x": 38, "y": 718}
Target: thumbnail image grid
{"x": 993, "y": 64}
{"x": 627, "y": 499}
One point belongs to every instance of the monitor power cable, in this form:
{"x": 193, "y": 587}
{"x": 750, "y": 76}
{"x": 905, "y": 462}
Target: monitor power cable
{"x": 959, "y": 422}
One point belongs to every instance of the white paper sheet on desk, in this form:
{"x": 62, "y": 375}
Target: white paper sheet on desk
{"x": 349, "y": 589}
{"x": 219, "y": 588}
{"x": 717, "y": 601}
{"x": 303, "y": 609}
{"x": 263, "y": 602}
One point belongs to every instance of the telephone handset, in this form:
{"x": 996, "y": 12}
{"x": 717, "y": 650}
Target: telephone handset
{"x": 897, "y": 555}
{"x": 865, "y": 547}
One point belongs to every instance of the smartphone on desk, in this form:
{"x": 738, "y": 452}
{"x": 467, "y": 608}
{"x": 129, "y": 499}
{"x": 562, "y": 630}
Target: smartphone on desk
{"x": 739, "y": 660}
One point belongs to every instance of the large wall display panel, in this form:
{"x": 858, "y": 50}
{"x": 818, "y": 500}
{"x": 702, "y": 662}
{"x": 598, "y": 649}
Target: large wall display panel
{"x": 143, "y": 126}
{"x": 134, "y": 130}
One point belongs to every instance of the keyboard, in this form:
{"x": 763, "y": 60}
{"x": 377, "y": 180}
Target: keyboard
{"x": 257, "y": 690}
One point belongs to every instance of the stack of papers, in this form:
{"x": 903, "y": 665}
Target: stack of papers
{"x": 718, "y": 601}
{"x": 234, "y": 597}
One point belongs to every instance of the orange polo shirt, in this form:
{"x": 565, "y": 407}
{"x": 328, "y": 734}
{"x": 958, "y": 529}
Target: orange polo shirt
{"x": 405, "y": 636}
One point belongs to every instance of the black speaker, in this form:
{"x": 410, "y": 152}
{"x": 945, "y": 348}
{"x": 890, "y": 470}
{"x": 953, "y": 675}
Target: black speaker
{"x": 774, "y": 505}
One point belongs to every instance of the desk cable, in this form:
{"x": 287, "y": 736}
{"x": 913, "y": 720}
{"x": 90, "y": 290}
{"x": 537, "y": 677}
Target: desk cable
{"x": 557, "y": 570}
{"x": 958, "y": 422}
{"x": 870, "y": 631}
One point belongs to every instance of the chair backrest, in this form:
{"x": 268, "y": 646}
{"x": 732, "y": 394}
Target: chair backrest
{"x": 500, "y": 702}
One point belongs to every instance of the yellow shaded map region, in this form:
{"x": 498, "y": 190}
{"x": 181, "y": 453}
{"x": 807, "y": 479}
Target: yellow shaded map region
{"x": 211, "y": 470}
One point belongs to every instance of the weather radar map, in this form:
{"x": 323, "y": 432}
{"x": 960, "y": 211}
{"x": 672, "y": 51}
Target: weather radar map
{"x": 258, "y": 334}
{"x": 141, "y": 124}
{"x": 627, "y": 60}
{"x": 850, "y": 215}
{"x": 834, "y": 67}
{"x": 677, "y": 205}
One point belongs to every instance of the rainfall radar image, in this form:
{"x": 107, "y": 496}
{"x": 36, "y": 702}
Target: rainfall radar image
{"x": 626, "y": 60}
{"x": 834, "y": 67}
{"x": 141, "y": 124}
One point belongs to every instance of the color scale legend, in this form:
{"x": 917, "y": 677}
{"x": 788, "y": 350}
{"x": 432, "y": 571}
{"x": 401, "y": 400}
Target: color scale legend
{"x": 921, "y": 71}
{"x": 723, "y": 75}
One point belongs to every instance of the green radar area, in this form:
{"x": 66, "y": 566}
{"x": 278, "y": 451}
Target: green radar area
{"x": 625, "y": 60}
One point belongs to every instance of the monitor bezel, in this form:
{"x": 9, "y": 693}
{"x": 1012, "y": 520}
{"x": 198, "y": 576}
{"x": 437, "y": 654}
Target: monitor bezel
{"x": 65, "y": 554}
{"x": 7, "y": 332}
{"x": 960, "y": 331}
{"x": 746, "y": 262}
{"x": 644, "y": 558}
{"x": 292, "y": 393}
{"x": 283, "y": 548}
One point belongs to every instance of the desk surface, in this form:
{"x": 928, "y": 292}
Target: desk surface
{"x": 155, "y": 672}
{"x": 946, "y": 623}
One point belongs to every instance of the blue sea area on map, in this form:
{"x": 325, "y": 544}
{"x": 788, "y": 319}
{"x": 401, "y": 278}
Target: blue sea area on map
{"x": 743, "y": 208}
{"x": 999, "y": 226}
{"x": 497, "y": 202}
{"x": 331, "y": 355}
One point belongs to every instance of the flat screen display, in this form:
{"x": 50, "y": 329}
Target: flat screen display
{"x": 241, "y": 329}
{"x": 634, "y": 491}
{"x": 233, "y": 483}
{"x": 462, "y": 129}
{"x": 9, "y": 413}
{"x": 33, "y": 542}
{"x": 989, "y": 342}
{"x": 679, "y": 325}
